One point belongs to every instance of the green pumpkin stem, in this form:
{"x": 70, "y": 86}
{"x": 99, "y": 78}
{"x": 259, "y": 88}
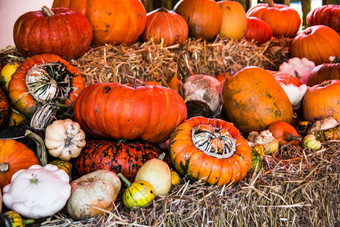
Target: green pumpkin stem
{"x": 126, "y": 181}
{"x": 41, "y": 149}
{"x": 47, "y": 11}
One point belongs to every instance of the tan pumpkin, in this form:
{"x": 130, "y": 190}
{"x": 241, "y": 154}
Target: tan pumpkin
{"x": 253, "y": 100}
{"x": 234, "y": 20}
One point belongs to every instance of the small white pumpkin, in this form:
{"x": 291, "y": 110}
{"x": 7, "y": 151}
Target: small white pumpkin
{"x": 64, "y": 139}
{"x": 38, "y": 191}
{"x": 298, "y": 67}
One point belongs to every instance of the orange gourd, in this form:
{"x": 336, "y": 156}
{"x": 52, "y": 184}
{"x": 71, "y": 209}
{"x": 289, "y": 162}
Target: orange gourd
{"x": 167, "y": 25}
{"x": 285, "y": 133}
{"x": 253, "y": 100}
{"x": 113, "y": 21}
{"x": 211, "y": 150}
{"x": 234, "y": 20}
{"x": 284, "y": 20}
{"x": 317, "y": 43}
{"x": 204, "y": 17}
{"x": 13, "y": 157}
{"x": 321, "y": 101}
{"x": 258, "y": 30}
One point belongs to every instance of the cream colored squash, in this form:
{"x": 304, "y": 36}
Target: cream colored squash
{"x": 64, "y": 139}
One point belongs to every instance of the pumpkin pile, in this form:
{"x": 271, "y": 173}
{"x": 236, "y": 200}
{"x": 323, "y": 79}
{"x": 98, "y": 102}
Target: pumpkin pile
{"x": 85, "y": 146}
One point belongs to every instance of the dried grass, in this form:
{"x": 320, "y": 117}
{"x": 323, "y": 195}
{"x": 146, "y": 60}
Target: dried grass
{"x": 150, "y": 61}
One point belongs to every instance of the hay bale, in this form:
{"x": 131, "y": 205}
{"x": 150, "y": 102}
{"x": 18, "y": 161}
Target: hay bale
{"x": 150, "y": 61}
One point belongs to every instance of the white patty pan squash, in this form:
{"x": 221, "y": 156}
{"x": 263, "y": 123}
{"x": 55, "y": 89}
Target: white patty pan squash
{"x": 38, "y": 191}
{"x": 64, "y": 139}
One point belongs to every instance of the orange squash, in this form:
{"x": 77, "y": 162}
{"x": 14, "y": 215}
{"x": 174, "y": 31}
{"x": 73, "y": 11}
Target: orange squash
{"x": 284, "y": 20}
{"x": 285, "y": 133}
{"x": 13, "y": 157}
{"x": 317, "y": 43}
{"x": 204, "y": 17}
{"x": 321, "y": 101}
{"x": 167, "y": 25}
{"x": 253, "y": 100}
{"x": 113, "y": 21}
{"x": 211, "y": 150}
{"x": 234, "y": 20}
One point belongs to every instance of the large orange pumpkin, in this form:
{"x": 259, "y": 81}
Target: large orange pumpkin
{"x": 13, "y": 157}
{"x": 284, "y": 20}
{"x": 118, "y": 111}
{"x": 113, "y": 21}
{"x": 317, "y": 43}
{"x": 59, "y": 31}
{"x": 211, "y": 150}
{"x": 204, "y": 17}
{"x": 234, "y": 20}
{"x": 167, "y": 25}
{"x": 322, "y": 72}
{"x": 321, "y": 101}
{"x": 253, "y": 100}
{"x": 41, "y": 79}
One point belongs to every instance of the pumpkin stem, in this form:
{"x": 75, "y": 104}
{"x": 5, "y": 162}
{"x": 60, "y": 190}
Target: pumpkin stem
{"x": 28, "y": 221}
{"x": 126, "y": 181}
{"x": 334, "y": 60}
{"x": 47, "y": 11}
{"x": 4, "y": 167}
{"x": 41, "y": 149}
{"x": 271, "y": 3}
{"x": 163, "y": 9}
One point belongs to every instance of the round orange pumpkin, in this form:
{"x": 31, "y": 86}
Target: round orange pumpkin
{"x": 258, "y": 30}
{"x": 13, "y": 157}
{"x": 113, "y": 21}
{"x": 41, "y": 79}
{"x": 317, "y": 43}
{"x": 59, "y": 31}
{"x": 122, "y": 112}
{"x": 284, "y": 20}
{"x": 211, "y": 150}
{"x": 234, "y": 20}
{"x": 326, "y": 71}
{"x": 167, "y": 25}
{"x": 321, "y": 101}
{"x": 204, "y": 17}
{"x": 253, "y": 100}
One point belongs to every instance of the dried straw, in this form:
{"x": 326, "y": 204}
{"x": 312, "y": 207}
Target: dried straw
{"x": 150, "y": 61}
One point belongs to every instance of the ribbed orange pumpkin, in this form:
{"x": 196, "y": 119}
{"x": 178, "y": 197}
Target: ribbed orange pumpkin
{"x": 204, "y": 17}
{"x": 328, "y": 15}
{"x": 113, "y": 21}
{"x": 167, "y": 25}
{"x": 326, "y": 71}
{"x": 317, "y": 43}
{"x": 253, "y": 100}
{"x": 13, "y": 157}
{"x": 234, "y": 20}
{"x": 211, "y": 150}
{"x": 121, "y": 112}
{"x": 284, "y": 20}
{"x": 321, "y": 101}
{"x": 258, "y": 30}
{"x": 59, "y": 31}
